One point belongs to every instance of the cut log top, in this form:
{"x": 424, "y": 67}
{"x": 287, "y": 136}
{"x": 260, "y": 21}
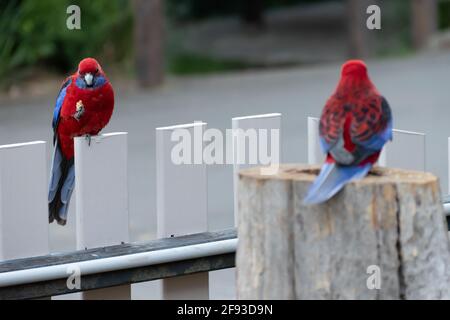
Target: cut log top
{"x": 378, "y": 175}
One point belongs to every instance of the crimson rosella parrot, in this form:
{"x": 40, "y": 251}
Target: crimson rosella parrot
{"x": 355, "y": 124}
{"x": 84, "y": 106}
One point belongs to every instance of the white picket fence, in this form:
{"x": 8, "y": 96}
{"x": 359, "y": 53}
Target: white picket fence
{"x": 101, "y": 190}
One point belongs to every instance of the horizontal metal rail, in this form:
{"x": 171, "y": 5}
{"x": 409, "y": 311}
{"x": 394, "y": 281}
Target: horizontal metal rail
{"x": 45, "y": 276}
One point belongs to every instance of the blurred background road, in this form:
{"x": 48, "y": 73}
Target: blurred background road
{"x": 218, "y": 63}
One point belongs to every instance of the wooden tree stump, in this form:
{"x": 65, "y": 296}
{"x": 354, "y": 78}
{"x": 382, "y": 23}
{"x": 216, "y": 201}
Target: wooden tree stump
{"x": 393, "y": 219}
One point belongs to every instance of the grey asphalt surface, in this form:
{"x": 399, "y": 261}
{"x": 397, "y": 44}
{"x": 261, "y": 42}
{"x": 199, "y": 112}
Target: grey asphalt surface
{"x": 417, "y": 88}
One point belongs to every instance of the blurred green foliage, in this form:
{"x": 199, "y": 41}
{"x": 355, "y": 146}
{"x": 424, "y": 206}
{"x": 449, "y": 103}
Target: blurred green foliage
{"x": 444, "y": 15}
{"x": 395, "y": 37}
{"x": 35, "y": 32}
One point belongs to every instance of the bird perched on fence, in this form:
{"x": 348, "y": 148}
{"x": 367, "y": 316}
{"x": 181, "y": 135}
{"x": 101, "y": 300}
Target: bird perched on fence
{"x": 83, "y": 107}
{"x": 355, "y": 124}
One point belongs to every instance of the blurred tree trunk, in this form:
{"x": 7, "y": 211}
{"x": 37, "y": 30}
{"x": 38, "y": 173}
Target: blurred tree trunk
{"x": 149, "y": 41}
{"x": 252, "y": 12}
{"x": 423, "y": 21}
{"x": 360, "y": 38}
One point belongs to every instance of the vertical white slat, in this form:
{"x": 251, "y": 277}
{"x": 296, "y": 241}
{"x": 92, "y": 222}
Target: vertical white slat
{"x": 263, "y": 121}
{"x": 23, "y": 200}
{"x": 406, "y": 150}
{"x": 101, "y": 183}
{"x": 239, "y": 143}
{"x": 181, "y": 202}
{"x": 315, "y": 153}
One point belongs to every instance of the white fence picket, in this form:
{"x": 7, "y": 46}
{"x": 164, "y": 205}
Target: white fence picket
{"x": 181, "y": 203}
{"x": 406, "y": 150}
{"x": 101, "y": 183}
{"x": 23, "y": 200}
{"x": 315, "y": 153}
{"x": 262, "y": 121}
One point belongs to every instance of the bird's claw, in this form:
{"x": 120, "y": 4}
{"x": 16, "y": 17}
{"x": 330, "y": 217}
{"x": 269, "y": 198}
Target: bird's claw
{"x": 88, "y": 138}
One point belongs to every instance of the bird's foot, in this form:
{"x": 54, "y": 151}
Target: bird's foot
{"x": 88, "y": 137}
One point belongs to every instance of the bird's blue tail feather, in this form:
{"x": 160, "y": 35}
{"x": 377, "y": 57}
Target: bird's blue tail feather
{"x": 62, "y": 181}
{"x": 332, "y": 179}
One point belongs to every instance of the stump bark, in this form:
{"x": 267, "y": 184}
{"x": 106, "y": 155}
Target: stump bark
{"x": 392, "y": 222}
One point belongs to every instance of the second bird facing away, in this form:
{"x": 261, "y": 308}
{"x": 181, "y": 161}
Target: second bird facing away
{"x": 83, "y": 107}
{"x": 356, "y": 123}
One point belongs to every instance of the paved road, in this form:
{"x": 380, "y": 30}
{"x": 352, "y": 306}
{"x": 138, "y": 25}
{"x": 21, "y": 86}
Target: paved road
{"x": 417, "y": 87}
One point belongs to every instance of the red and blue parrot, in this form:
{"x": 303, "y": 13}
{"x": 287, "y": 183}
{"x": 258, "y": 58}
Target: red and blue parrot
{"x": 83, "y": 107}
{"x": 355, "y": 124}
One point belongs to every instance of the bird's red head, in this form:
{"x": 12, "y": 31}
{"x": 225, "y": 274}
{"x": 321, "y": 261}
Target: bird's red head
{"x": 89, "y": 65}
{"x": 355, "y": 68}
{"x": 354, "y": 78}
{"x": 89, "y": 70}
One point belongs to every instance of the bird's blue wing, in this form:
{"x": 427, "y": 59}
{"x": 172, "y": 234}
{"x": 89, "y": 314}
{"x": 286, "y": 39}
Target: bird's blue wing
{"x": 324, "y": 145}
{"x": 59, "y": 103}
{"x": 378, "y": 139}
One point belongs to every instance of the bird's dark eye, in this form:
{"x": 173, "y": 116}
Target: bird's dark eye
{"x": 96, "y": 70}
